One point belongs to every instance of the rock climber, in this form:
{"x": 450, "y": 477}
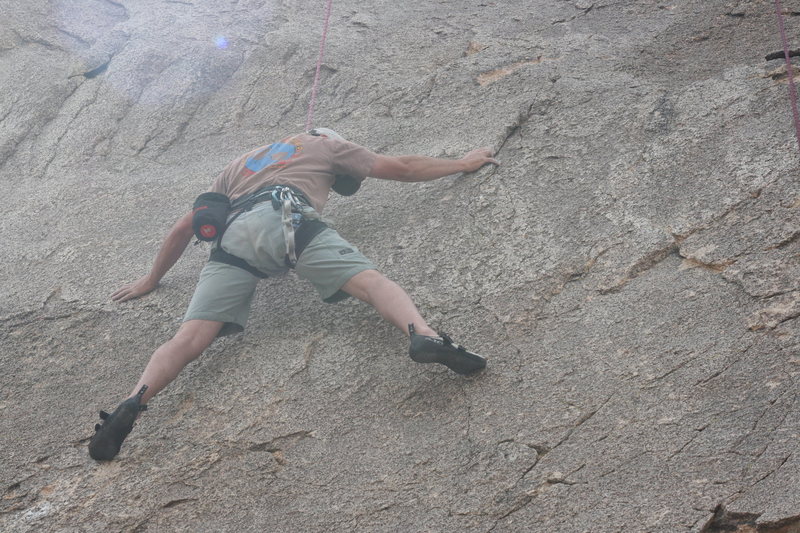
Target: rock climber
{"x": 269, "y": 201}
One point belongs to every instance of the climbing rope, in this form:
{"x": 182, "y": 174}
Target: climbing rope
{"x": 315, "y": 86}
{"x": 789, "y": 70}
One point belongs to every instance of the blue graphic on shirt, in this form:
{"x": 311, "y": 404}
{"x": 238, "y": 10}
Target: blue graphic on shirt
{"x": 278, "y": 153}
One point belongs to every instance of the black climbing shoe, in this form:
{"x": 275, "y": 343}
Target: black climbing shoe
{"x": 108, "y": 437}
{"x": 442, "y": 350}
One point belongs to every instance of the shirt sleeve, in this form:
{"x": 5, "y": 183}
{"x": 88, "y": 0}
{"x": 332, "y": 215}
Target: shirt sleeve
{"x": 222, "y": 182}
{"x": 351, "y": 159}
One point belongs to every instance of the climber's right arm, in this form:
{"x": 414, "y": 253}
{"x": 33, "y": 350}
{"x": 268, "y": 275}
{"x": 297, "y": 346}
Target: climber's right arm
{"x": 171, "y": 250}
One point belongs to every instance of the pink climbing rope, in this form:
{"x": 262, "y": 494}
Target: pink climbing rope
{"x": 315, "y": 86}
{"x": 789, "y": 70}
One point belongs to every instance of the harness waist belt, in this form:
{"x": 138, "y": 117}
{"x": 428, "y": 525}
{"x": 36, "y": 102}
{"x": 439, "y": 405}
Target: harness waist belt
{"x": 266, "y": 193}
{"x": 298, "y": 231}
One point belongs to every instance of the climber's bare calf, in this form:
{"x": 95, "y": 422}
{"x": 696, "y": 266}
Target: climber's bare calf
{"x": 191, "y": 339}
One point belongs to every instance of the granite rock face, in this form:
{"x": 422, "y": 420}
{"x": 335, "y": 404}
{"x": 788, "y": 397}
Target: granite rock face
{"x": 631, "y": 269}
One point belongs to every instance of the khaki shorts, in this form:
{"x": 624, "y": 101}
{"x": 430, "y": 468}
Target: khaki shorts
{"x": 225, "y": 292}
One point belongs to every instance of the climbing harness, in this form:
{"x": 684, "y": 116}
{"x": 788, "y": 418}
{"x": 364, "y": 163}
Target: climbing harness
{"x": 315, "y": 85}
{"x": 298, "y": 230}
{"x": 789, "y": 70}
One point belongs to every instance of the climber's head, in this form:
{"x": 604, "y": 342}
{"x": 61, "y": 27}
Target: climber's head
{"x": 326, "y": 132}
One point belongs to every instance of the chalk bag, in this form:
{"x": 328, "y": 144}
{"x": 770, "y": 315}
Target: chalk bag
{"x": 210, "y": 215}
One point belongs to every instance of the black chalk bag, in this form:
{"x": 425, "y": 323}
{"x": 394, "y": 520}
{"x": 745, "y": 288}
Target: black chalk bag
{"x": 346, "y": 185}
{"x": 210, "y": 215}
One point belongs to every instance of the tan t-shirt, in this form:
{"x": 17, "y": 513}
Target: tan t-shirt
{"x": 305, "y": 161}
